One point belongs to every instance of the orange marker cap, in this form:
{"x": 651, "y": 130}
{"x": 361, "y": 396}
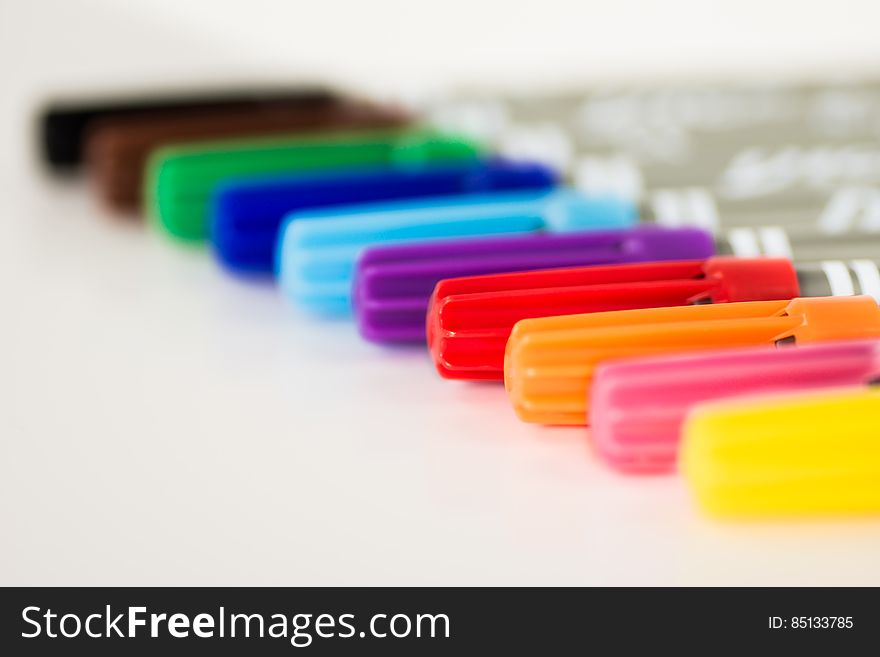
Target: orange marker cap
{"x": 549, "y": 361}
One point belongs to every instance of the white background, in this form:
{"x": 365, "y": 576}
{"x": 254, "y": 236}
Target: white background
{"x": 163, "y": 423}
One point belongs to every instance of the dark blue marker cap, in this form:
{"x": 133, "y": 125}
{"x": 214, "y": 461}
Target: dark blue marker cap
{"x": 247, "y": 214}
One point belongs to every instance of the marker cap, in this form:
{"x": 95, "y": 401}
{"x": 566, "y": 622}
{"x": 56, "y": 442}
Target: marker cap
{"x": 180, "y": 179}
{"x": 318, "y": 250}
{"x": 550, "y": 361}
{"x": 393, "y": 284}
{"x": 638, "y": 406}
{"x": 470, "y": 318}
{"x": 804, "y": 454}
{"x": 247, "y": 214}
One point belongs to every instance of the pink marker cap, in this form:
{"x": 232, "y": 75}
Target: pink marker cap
{"x": 638, "y": 406}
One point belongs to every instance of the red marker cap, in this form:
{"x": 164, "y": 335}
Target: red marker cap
{"x": 470, "y": 319}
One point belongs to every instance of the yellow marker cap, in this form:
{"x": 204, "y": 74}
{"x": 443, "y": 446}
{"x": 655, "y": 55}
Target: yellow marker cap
{"x": 815, "y": 453}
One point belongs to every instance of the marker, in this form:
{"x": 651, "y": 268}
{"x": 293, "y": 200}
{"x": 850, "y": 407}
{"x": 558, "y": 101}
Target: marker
{"x": 469, "y": 319}
{"x": 756, "y": 224}
{"x": 805, "y": 454}
{"x": 549, "y": 362}
{"x": 180, "y": 180}
{"x": 672, "y": 129}
{"x": 65, "y": 123}
{"x": 638, "y": 406}
{"x": 715, "y": 156}
{"x": 246, "y": 216}
{"x": 802, "y": 244}
{"x": 117, "y": 147}
{"x": 730, "y": 145}
{"x": 318, "y": 249}
{"x": 393, "y": 283}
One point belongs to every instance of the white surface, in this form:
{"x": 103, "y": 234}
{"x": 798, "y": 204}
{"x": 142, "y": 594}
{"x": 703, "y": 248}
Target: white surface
{"x": 163, "y": 423}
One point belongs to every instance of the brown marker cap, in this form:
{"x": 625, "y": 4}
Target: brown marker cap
{"x": 117, "y": 148}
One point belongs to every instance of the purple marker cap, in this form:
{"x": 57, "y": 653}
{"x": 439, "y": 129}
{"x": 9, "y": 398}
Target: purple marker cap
{"x": 393, "y": 284}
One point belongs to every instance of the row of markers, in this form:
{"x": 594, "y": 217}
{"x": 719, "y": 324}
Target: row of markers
{"x": 588, "y": 316}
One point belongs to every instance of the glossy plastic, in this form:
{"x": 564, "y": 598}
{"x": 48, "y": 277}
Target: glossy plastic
{"x": 246, "y": 216}
{"x": 393, "y": 284}
{"x": 117, "y": 147}
{"x": 638, "y": 406}
{"x": 180, "y": 179}
{"x": 318, "y": 249}
{"x": 470, "y": 319}
{"x": 67, "y": 124}
{"x": 549, "y": 362}
{"x": 793, "y": 455}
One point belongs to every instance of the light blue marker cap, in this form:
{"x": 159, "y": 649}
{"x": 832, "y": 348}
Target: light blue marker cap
{"x": 317, "y": 250}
